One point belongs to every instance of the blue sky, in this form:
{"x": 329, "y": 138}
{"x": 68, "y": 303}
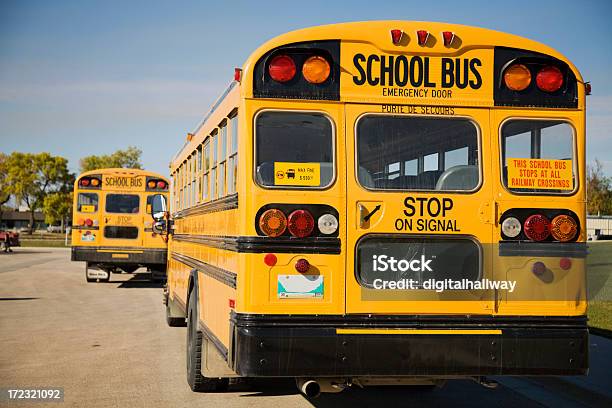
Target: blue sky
{"x": 84, "y": 77}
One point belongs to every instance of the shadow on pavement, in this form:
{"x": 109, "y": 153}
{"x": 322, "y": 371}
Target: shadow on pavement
{"x": 458, "y": 392}
{"x": 19, "y": 298}
{"x": 139, "y": 280}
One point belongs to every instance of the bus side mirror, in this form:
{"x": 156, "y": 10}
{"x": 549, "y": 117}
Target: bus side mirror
{"x": 159, "y": 207}
{"x": 159, "y": 210}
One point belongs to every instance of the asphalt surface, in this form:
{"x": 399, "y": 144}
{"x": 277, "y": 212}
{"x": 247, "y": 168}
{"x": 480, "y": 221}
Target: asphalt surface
{"x": 108, "y": 345}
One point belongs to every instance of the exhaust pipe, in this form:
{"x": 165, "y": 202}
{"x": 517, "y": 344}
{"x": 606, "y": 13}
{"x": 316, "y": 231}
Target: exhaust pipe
{"x": 309, "y": 388}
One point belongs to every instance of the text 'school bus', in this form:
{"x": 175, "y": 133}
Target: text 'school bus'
{"x": 384, "y": 203}
{"x": 111, "y": 226}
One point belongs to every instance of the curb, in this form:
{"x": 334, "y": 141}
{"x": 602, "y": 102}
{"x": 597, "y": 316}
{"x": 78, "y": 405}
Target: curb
{"x": 600, "y": 332}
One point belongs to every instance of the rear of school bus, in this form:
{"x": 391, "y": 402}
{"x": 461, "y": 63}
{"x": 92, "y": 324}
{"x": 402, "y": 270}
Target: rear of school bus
{"x": 111, "y": 227}
{"x": 411, "y": 208}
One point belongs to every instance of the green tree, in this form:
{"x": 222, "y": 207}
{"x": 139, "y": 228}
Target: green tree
{"x": 599, "y": 190}
{"x": 57, "y": 207}
{"x": 31, "y": 177}
{"x": 5, "y": 194}
{"x": 128, "y": 158}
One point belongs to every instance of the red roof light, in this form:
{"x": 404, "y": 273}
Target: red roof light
{"x": 422, "y": 35}
{"x": 396, "y": 36}
{"x": 448, "y": 36}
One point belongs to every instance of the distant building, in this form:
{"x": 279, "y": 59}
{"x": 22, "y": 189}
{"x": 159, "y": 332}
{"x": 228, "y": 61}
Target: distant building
{"x": 21, "y": 219}
{"x": 599, "y": 227}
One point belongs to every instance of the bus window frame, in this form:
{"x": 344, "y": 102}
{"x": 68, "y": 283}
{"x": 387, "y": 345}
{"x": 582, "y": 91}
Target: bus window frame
{"x": 575, "y": 167}
{"x": 374, "y": 235}
{"x": 136, "y": 194}
{"x": 400, "y": 191}
{"x": 334, "y": 150}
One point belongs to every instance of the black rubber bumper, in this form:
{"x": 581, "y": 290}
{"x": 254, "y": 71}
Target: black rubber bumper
{"x": 110, "y": 255}
{"x": 299, "y": 346}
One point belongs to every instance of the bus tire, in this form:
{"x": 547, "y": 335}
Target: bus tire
{"x": 174, "y": 321}
{"x": 197, "y": 382}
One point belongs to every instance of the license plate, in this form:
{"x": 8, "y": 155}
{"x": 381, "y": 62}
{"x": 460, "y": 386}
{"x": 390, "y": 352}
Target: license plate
{"x": 300, "y": 286}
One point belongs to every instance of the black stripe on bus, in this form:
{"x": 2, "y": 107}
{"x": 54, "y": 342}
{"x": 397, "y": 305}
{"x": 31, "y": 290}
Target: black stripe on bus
{"x": 226, "y": 277}
{"x": 252, "y": 244}
{"x": 83, "y": 227}
{"x": 543, "y": 249}
{"x": 222, "y": 204}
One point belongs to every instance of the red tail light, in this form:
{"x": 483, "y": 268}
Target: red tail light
{"x": 537, "y": 227}
{"x": 85, "y": 182}
{"x": 88, "y": 222}
{"x": 549, "y": 79}
{"x": 301, "y": 223}
{"x": 282, "y": 68}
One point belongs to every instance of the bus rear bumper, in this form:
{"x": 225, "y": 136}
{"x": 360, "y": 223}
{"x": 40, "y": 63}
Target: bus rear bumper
{"x": 297, "y": 346}
{"x": 110, "y": 255}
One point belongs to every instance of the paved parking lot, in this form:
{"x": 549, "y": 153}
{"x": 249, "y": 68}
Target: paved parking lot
{"x": 108, "y": 345}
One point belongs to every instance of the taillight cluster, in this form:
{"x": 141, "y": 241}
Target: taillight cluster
{"x": 283, "y": 68}
{"x": 286, "y": 220}
{"x": 524, "y": 224}
{"x": 518, "y": 77}
{"x": 156, "y": 184}
{"x": 90, "y": 182}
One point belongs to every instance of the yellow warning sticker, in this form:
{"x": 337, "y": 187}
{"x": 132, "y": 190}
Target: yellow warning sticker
{"x": 541, "y": 174}
{"x": 297, "y": 174}
{"x": 88, "y": 208}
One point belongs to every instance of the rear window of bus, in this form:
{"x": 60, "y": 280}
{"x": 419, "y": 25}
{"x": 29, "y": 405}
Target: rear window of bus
{"x": 538, "y": 147}
{"x": 286, "y": 140}
{"x": 87, "y": 202}
{"x": 122, "y": 203}
{"x": 410, "y": 153}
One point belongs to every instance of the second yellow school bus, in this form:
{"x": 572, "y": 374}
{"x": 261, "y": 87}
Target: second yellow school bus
{"x": 111, "y": 226}
{"x": 384, "y": 203}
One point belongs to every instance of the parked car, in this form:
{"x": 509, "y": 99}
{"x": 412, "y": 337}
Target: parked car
{"x": 54, "y": 228}
{"x": 8, "y": 239}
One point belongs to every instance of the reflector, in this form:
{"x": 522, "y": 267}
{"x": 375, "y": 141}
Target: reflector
{"x": 302, "y": 265}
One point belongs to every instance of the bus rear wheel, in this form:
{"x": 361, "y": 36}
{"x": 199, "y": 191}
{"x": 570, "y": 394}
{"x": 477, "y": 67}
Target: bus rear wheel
{"x": 197, "y": 382}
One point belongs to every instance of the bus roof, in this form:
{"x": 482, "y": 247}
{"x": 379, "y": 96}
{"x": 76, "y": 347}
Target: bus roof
{"x": 122, "y": 171}
{"x": 377, "y": 33}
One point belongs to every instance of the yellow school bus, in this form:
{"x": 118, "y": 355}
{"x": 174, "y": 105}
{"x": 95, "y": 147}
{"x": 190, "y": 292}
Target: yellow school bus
{"x": 111, "y": 226}
{"x": 385, "y": 202}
